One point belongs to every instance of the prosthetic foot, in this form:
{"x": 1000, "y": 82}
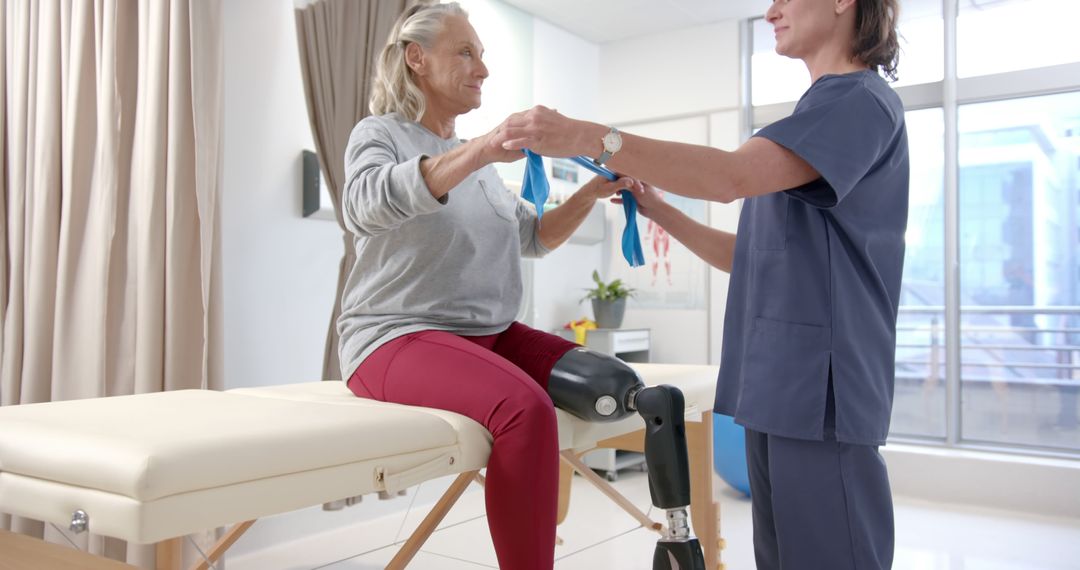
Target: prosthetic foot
{"x": 597, "y": 387}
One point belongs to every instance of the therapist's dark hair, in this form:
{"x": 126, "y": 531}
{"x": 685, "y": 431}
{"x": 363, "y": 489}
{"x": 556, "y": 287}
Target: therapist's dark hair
{"x": 876, "y": 42}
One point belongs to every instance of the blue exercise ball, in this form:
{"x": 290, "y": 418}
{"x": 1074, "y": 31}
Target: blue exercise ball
{"x": 729, "y": 453}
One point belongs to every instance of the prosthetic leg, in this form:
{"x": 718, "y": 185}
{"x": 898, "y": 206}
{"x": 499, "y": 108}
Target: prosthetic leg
{"x": 601, "y": 388}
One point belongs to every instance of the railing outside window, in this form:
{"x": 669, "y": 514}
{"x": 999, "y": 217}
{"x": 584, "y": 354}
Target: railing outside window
{"x": 988, "y": 337}
{"x": 1020, "y": 375}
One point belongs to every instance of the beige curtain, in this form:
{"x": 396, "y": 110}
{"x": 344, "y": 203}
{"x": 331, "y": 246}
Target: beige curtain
{"x": 339, "y": 43}
{"x": 111, "y": 118}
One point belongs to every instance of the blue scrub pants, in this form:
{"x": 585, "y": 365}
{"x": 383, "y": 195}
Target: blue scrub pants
{"x": 819, "y": 504}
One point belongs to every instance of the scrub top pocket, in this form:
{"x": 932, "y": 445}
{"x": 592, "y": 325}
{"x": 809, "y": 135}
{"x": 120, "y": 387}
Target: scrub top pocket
{"x": 769, "y": 216}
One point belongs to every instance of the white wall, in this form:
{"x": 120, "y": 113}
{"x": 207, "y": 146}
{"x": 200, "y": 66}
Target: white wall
{"x": 280, "y": 269}
{"x": 725, "y": 134}
{"x": 684, "y": 86}
{"x": 565, "y": 71}
{"x": 682, "y": 72}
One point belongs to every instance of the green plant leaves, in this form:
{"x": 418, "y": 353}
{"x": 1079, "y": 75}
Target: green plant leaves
{"x": 607, "y": 291}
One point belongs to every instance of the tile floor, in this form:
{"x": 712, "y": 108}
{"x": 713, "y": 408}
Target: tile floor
{"x": 597, "y": 535}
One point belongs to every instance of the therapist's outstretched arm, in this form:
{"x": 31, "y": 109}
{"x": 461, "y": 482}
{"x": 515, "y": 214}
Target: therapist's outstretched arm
{"x": 558, "y": 224}
{"x": 757, "y": 167}
{"x": 715, "y": 247}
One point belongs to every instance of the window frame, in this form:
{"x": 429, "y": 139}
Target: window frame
{"x": 948, "y": 94}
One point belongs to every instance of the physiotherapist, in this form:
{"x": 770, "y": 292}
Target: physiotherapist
{"x": 809, "y": 336}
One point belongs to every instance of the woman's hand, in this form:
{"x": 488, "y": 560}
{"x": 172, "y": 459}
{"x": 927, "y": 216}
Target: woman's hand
{"x": 549, "y": 133}
{"x": 600, "y": 188}
{"x": 491, "y": 147}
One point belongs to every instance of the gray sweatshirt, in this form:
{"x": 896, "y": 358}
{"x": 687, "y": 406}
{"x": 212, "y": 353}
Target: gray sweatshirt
{"x": 422, "y": 263}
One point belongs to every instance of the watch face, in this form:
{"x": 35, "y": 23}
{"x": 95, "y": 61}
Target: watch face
{"x": 612, "y": 142}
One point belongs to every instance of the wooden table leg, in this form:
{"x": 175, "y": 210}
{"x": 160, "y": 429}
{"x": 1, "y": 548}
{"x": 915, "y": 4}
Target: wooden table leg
{"x": 566, "y": 480}
{"x": 704, "y": 510}
{"x": 431, "y": 521}
{"x": 168, "y": 554}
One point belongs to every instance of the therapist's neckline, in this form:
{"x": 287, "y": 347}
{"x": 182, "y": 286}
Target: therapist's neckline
{"x": 846, "y": 73}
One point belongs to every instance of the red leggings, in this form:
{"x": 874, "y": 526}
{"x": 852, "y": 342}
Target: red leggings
{"x": 501, "y": 382}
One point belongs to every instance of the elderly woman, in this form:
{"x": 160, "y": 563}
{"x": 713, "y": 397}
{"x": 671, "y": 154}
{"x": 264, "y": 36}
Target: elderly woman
{"x": 809, "y": 335}
{"x": 428, "y": 309}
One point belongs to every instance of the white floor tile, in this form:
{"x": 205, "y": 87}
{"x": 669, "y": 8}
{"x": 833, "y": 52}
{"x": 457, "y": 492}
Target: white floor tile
{"x": 598, "y": 535}
{"x": 468, "y": 507}
{"x": 379, "y": 559}
{"x": 949, "y": 537}
{"x": 470, "y": 540}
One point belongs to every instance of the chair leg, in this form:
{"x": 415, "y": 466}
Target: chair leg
{"x": 431, "y": 521}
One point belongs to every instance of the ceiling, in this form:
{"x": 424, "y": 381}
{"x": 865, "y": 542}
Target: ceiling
{"x": 604, "y": 21}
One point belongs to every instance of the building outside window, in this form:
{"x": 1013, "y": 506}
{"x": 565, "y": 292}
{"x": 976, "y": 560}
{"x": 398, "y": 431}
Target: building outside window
{"x": 994, "y": 360}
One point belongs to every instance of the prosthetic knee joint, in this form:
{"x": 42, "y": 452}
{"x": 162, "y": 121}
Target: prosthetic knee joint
{"x": 601, "y": 388}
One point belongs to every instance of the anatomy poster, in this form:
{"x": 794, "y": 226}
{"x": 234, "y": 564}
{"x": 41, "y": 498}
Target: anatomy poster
{"x": 672, "y": 277}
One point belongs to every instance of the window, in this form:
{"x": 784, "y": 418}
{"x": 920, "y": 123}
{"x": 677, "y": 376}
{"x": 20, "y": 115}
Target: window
{"x": 997, "y": 36}
{"x": 919, "y": 401}
{"x": 777, "y": 79}
{"x": 987, "y": 356}
{"x": 1019, "y": 292}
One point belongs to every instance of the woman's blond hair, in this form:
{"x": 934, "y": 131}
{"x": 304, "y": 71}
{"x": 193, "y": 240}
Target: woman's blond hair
{"x": 393, "y": 88}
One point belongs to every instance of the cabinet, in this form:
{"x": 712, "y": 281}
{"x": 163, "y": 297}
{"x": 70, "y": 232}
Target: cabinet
{"x": 629, "y": 345}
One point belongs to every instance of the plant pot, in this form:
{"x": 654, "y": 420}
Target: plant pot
{"x": 609, "y": 314}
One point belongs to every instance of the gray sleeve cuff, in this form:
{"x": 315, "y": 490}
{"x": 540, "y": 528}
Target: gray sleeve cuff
{"x": 529, "y": 230}
{"x": 407, "y": 180}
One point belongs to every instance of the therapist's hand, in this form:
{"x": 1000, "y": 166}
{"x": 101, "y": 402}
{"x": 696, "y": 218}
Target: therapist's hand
{"x": 549, "y": 133}
{"x": 600, "y": 188}
{"x": 650, "y": 201}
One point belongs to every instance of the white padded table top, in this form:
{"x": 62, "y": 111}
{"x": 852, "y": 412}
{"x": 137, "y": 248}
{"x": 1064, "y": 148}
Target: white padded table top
{"x": 474, "y": 440}
{"x": 150, "y": 446}
{"x": 154, "y": 466}
{"x": 697, "y": 383}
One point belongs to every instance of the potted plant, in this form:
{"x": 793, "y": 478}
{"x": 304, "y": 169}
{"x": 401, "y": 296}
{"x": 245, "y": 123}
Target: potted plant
{"x": 608, "y": 301}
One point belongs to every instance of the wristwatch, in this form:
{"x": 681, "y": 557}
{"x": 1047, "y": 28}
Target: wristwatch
{"x": 612, "y": 143}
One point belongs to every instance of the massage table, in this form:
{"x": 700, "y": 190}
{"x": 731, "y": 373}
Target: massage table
{"x": 153, "y": 468}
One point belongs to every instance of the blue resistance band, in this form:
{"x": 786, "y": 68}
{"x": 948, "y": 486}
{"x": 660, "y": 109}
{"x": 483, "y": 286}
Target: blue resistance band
{"x": 631, "y": 241}
{"x": 535, "y": 189}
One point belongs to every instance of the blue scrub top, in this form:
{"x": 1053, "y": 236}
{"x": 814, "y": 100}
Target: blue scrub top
{"x": 815, "y": 282}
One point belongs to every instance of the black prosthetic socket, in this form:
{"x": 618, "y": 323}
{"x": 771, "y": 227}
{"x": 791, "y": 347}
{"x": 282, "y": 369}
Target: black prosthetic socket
{"x": 601, "y": 388}
{"x": 593, "y": 386}
{"x": 665, "y": 445}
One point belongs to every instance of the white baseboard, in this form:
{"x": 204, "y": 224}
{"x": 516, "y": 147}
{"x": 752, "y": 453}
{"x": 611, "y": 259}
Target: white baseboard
{"x": 1037, "y": 485}
{"x": 1040, "y": 486}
